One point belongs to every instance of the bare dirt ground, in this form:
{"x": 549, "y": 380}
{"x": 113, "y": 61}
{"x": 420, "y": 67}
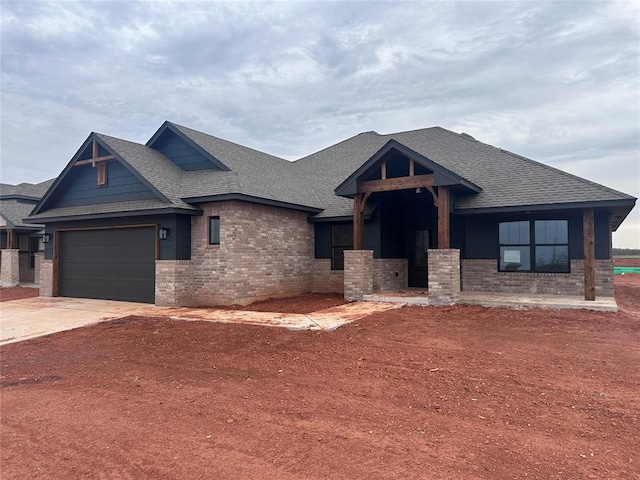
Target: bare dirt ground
{"x": 17, "y": 293}
{"x": 461, "y": 392}
{"x": 627, "y": 262}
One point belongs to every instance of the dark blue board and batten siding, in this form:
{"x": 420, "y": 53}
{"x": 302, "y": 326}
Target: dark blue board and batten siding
{"x": 186, "y": 156}
{"x": 80, "y": 187}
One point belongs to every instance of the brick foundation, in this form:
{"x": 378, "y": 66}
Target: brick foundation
{"x": 389, "y": 274}
{"x": 483, "y": 276}
{"x": 358, "y": 274}
{"x": 10, "y": 267}
{"x": 444, "y": 276}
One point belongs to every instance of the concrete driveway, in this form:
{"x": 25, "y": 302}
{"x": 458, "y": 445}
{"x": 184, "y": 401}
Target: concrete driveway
{"x": 35, "y": 317}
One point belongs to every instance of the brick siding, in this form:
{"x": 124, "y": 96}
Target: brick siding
{"x": 9, "y": 267}
{"x": 326, "y": 280}
{"x": 483, "y": 276}
{"x": 172, "y": 282}
{"x": 358, "y": 274}
{"x": 45, "y": 269}
{"x": 264, "y": 252}
{"x": 389, "y": 274}
{"x": 444, "y": 276}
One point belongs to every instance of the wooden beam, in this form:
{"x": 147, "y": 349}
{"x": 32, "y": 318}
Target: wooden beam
{"x": 95, "y": 149}
{"x": 358, "y": 222}
{"x": 9, "y": 239}
{"x": 383, "y": 170}
{"x": 411, "y": 167}
{"x": 400, "y": 183}
{"x": 443, "y": 217}
{"x": 94, "y": 160}
{"x": 588, "y": 233}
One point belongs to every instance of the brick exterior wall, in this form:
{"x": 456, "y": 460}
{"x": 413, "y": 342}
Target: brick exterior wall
{"x": 384, "y": 274}
{"x": 483, "y": 276}
{"x": 358, "y": 274}
{"x": 45, "y": 268}
{"x": 326, "y": 280}
{"x": 444, "y": 276}
{"x": 10, "y": 267}
{"x": 172, "y": 282}
{"x": 264, "y": 252}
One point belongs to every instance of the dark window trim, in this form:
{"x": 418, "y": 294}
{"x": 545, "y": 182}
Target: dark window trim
{"x": 532, "y": 247}
{"x": 214, "y": 241}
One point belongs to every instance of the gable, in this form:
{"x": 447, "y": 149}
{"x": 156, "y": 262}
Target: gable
{"x": 80, "y": 187}
{"x": 182, "y": 151}
{"x": 402, "y": 162}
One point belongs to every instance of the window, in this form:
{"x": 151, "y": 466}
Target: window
{"x": 214, "y": 230}
{"x": 548, "y": 252}
{"x": 552, "y": 245}
{"x": 102, "y": 173}
{"x": 341, "y": 240}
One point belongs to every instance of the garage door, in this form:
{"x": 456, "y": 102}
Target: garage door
{"x": 117, "y": 264}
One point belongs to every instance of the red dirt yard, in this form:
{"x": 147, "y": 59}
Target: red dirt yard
{"x": 452, "y": 393}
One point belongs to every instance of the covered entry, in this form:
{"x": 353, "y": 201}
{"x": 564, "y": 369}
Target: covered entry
{"x": 108, "y": 264}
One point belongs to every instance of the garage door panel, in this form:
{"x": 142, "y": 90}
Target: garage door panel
{"x": 116, "y": 264}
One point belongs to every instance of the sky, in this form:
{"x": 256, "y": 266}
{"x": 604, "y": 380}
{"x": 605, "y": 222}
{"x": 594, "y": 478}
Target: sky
{"x": 558, "y": 82}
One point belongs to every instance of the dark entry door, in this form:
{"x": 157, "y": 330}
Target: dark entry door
{"x": 109, "y": 264}
{"x": 418, "y": 246}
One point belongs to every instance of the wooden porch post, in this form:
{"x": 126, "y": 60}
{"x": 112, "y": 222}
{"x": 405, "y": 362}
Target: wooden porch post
{"x": 358, "y": 222}
{"x": 443, "y": 217}
{"x": 588, "y": 233}
{"x": 9, "y": 239}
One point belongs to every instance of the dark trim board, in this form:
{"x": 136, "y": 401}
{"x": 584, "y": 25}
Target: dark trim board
{"x": 132, "y": 213}
{"x": 248, "y": 198}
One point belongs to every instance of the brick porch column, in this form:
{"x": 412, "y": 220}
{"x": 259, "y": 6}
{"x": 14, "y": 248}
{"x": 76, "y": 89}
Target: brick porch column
{"x": 444, "y": 276}
{"x": 10, "y": 267}
{"x": 358, "y": 274}
{"x": 45, "y": 275}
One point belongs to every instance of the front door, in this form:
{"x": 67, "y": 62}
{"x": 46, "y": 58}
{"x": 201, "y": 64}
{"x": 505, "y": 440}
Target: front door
{"x": 418, "y": 246}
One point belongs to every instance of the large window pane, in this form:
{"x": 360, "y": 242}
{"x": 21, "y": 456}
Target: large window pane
{"x": 552, "y": 258}
{"x": 515, "y": 258}
{"x": 552, "y": 231}
{"x": 514, "y": 233}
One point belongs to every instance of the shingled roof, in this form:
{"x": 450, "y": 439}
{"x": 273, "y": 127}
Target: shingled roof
{"x": 506, "y": 179}
{"x": 17, "y": 202}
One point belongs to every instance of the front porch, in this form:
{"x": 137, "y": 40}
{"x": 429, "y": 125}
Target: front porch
{"x": 416, "y": 296}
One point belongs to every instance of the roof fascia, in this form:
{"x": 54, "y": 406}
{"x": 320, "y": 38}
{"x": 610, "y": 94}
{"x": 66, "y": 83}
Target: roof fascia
{"x": 341, "y": 218}
{"x": 442, "y": 176}
{"x": 167, "y": 125}
{"x": 85, "y": 144}
{"x": 551, "y": 206}
{"x": 131, "y": 213}
{"x": 248, "y": 198}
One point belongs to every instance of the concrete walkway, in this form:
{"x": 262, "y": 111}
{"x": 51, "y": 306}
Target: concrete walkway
{"x": 35, "y": 317}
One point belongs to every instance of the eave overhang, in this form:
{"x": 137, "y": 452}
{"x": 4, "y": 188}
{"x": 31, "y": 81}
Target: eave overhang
{"x": 248, "y": 198}
{"x": 622, "y": 207}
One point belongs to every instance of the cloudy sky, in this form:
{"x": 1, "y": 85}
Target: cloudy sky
{"x": 558, "y": 82}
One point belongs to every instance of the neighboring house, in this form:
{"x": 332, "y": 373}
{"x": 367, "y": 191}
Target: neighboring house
{"x": 19, "y": 241}
{"x": 191, "y": 219}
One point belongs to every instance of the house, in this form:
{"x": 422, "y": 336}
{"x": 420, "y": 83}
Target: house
{"x": 19, "y": 241}
{"x": 191, "y": 219}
